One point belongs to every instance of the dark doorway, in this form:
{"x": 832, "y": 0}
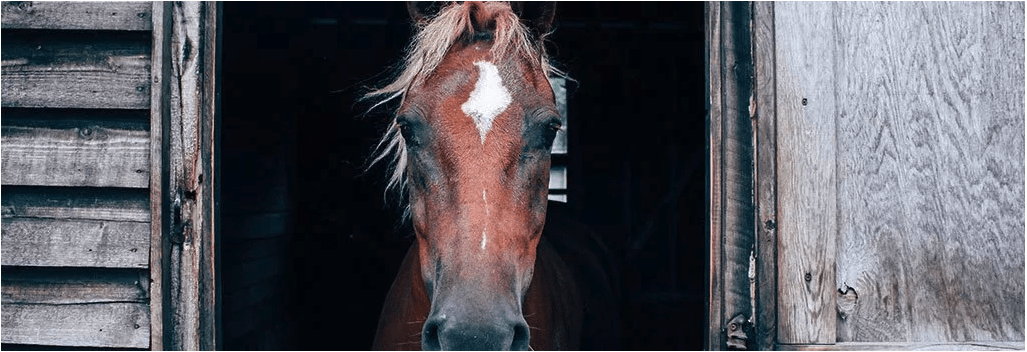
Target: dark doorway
{"x": 295, "y": 139}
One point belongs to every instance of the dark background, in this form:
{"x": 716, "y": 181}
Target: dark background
{"x": 295, "y": 139}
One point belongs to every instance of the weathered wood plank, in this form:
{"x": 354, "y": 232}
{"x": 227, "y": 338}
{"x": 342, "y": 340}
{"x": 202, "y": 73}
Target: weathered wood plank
{"x": 193, "y": 176}
{"x": 93, "y": 153}
{"x": 94, "y": 325}
{"x": 807, "y": 202}
{"x": 25, "y": 285}
{"x": 714, "y": 334}
{"x": 160, "y": 110}
{"x": 129, "y": 16}
{"x": 76, "y": 70}
{"x": 930, "y": 162}
{"x": 913, "y": 346}
{"x": 766, "y": 177}
{"x": 110, "y": 204}
{"x": 90, "y": 243}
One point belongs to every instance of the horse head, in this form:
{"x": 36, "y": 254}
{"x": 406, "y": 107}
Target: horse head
{"x": 471, "y": 140}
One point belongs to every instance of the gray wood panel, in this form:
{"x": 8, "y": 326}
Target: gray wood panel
{"x": 75, "y": 307}
{"x": 160, "y": 95}
{"x": 77, "y": 153}
{"x": 84, "y": 227}
{"x": 57, "y": 286}
{"x": 930, "y": 160}
{"x": 765, "y": 321}
{"x": 807, "y": 207}
{"x": 75, "y": 203}
{"x": 76, "y": 70}
{"x": 76, "y": 15}
{"x": 89, "y": 243}
{"x": 192, "y": 137}
{"x": 90, "y": 325}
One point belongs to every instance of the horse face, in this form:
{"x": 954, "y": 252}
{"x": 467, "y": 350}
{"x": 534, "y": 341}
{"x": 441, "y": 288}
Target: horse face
{"x": 478, "y": 134}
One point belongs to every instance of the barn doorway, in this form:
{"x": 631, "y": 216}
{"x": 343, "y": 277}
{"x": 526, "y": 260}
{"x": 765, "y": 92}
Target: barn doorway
{"x": 309, "y": 247}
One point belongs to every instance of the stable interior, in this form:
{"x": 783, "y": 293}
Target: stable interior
{"x": 309, "y": 247}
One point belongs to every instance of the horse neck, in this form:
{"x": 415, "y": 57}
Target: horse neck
{"x": 405, "y": 309}
{"x": 552, "y": 306}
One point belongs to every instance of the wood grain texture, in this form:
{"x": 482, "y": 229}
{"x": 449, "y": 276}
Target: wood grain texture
{"x": 924, "y": 346}
{"x": 26, "y": 285}
{"x": 737, "y": 162}
{"x": 131, "y": 16}
{"x": 715, "y": 284}
{"x": 121, "y": 205}
{"x": 766, "y": 177}
{"x": 72, "y": 152}
{"x": 50, "y": 242}
{"x": 93, "y": 325}
{"x": 160, "y": 110}
{"x": 75, "y": 227}
{"x": 930, "y": 160}
{"x": 76, "y": 69}
{"x": 807, "y": 202}
{"x": 75, "y": 307}
{"x": 192, "y": 136}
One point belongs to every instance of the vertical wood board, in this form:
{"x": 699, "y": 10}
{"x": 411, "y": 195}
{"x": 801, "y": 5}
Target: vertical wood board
{"x": 807, "y": 207}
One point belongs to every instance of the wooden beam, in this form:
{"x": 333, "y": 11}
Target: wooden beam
{"x": 765, "y": 324}
{"x": 807, "y": 178}
{"x": 94, "y": 153}
{"x": 160, "y": 111}
{"x": 75, "y": 307}
{"x": 714, "y": 110}
{"x": 193, "y": 176}
{"x": 76, "y": 15}
{"x": 76, "y": 70}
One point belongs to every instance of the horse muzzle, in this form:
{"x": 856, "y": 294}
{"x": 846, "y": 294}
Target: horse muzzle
{"x": 443, "y": 332}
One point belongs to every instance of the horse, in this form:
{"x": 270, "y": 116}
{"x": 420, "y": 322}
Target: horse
{"x": 493, "y": 265}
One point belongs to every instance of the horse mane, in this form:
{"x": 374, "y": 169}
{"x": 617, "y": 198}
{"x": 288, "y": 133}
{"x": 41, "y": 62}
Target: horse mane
{"x": 466, "y": 21}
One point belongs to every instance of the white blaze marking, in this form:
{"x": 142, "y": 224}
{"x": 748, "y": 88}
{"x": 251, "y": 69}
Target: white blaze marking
{"x": 484, "y": 231}
{"x": 488, "y": 99}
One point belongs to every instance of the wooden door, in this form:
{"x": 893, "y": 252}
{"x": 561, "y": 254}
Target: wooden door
{"x": 890, "y": 167}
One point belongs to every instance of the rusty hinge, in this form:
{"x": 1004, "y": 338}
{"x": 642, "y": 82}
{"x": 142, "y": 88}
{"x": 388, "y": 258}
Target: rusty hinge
{"x": 736, "y": 336}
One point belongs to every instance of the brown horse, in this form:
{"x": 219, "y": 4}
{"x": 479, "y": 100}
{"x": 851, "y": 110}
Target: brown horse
{"x": 490, "y": 269}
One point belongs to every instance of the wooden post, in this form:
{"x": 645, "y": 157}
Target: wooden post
{"x": 766, "y": 177}
{"x": 189, "y": 110}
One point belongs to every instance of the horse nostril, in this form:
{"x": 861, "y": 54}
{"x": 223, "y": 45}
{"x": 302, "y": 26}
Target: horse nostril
{"x": 430, "y": 336}
{"x": 521, "y": 338}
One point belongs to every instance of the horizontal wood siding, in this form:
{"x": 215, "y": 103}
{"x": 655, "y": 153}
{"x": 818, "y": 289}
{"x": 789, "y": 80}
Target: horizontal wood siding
{"x": 76, "y": 168}
{"x": 131, "y": 16}
{"x": 75, "y": 307}
{"x": 74, "y": 148}
{"x": 76, "y": 69}
{"x": 45, "y": 226}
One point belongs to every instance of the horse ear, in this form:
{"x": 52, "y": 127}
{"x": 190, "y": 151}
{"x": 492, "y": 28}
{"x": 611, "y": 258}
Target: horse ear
{"x": 423, "y": 11}
{"x": 538, "y": 16}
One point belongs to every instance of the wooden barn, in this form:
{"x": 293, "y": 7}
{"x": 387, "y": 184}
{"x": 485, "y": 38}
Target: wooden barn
{"x": 797, "y": 176}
